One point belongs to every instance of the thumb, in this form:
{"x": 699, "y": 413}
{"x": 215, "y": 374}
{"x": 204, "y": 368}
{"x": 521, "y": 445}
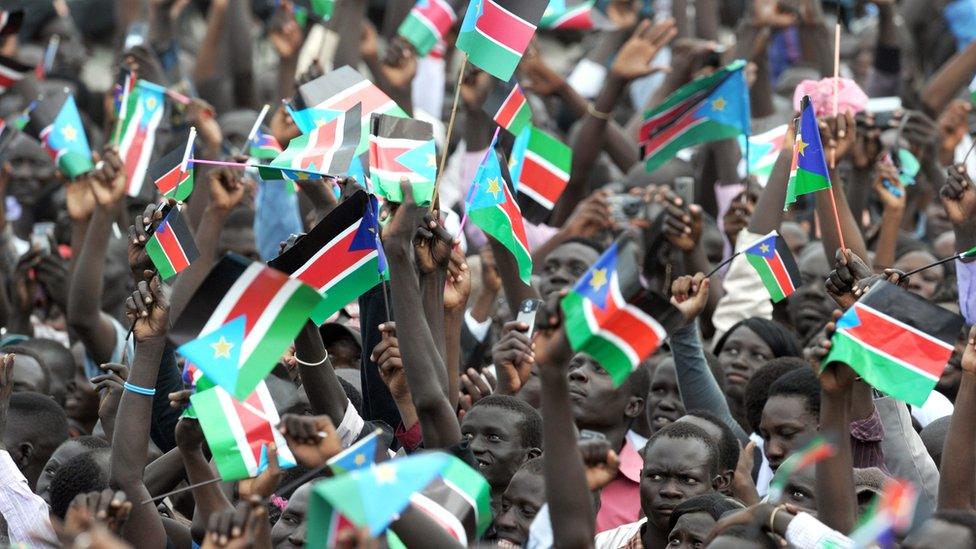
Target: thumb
{"x": 273, "y": 467}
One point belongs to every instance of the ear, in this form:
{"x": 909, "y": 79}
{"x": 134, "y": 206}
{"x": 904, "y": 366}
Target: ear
{"x": 22, "y": 455}
{"x": 532, "y": 453}
{"x": 723, "y": 481}
{"x": 635, "y": 407}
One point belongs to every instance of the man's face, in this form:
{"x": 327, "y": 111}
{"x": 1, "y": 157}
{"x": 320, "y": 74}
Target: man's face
{"x": 494, "y": 438}
{"x": 800, "y": 490}
{"x": 744, "y": 352}
{"x": 344, "y": 353}
{"x": 563, "y": 267}
{"x": 664, "y": 403}
{"x": 952, "y": 374}
{"x": 65, "y": 452}
{"x": 715, "y": 434}
{"x": 690, "y": 531}
{"x": 925, "y": 283}
{"x": 521, "y": 501}
{"x": 31, "y": 171}
{"x": 810, "y": 307}
{"x": 675, "y": 469}
{"x": 596, "y": 403}
{"x": 290, "y": 530}
{"x": 786, "y": 426}
{"x": 29, "y": 375}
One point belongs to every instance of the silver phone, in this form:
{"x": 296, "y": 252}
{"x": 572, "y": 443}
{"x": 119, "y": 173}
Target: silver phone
{"x": 684, "y": 187}
{"x": 527, "y": 312}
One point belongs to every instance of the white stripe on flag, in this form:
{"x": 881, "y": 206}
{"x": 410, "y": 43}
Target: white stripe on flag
{"x": 271, "y": 413}
{"x": 529, "y": 191}
{"x": 237, "y": 428}
{"x": 325, "y": 249}
{"x": 442, "y": 516}
{"x": 226, "y": 305}
{"x": 267, "y": 318}
{"x": 351, "y": 91}
{"x": 540, "y": 160}
{"x": 896, "y": 360}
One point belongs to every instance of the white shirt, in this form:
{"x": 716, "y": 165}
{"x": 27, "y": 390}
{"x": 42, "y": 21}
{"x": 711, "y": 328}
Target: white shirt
{"x": 25, "y": 512}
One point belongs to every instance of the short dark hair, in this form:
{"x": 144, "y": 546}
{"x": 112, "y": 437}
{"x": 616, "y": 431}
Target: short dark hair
{"x": 801, "y": 383}
{"x": 685, "y": 430}
{"x": 714, "y": 504}
{"x": 21, "y": 349}
{"x": 48, "y": 346}
{"x": 780, "y": 340}
{"x": 588, "y": 242}
{"x": 79, "y": 475}
{"x": 750, "y": 533}
{"x": 728, "y": 445}
{"x": 639, "y": 381}
{"x": 757, "y": 389}
{"x": 91, "y": 442}
{"x": 47, "y": 418}
{"x": 530, "y": 428}
{"x": 966, "y": 519}
{"x": 533, "y": 466}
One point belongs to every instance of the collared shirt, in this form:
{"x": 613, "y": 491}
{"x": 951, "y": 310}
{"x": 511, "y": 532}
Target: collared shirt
{"x": 620, "y": 499}
{"x": 626, "y": 536}
{"x": 351, "y": 425}
{"x": 25, "y": 512}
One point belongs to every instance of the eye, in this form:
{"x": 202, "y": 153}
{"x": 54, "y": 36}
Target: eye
{"x": 527, "y": 512}
{"x": 673, "y": 541}
{"x": 467, "y": 436}
{"x": 798, "y": 495}
{"x": 696, "y": 544}
{"x": 494, "y": 438}
{"x": 689, "y": 480}
{"x": 655, "y": 477}
{"x": 289, "y": 518}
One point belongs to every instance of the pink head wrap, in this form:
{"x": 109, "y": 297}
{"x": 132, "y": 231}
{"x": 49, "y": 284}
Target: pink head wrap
{"x": 850, "y": 97}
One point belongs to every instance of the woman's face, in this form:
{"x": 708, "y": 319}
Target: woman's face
{"x": 786, "y": 426}
{"x": 744, "y": 352}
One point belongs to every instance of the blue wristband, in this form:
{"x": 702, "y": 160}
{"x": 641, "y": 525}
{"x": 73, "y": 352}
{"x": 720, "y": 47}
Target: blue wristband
{"x": 138, "y": 390}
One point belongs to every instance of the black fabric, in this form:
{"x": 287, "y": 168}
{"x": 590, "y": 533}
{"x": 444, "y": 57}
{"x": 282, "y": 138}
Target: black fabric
{"x": 378, "y": 404}
{"x": 162, "y": 429}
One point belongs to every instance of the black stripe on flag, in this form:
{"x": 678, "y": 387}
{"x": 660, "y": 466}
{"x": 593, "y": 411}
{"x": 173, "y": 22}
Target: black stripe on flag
{"x": 528, "y": 10}
{"x": 45, "y": 112}
{"x": 789, "y": 262}
{"x": 11, "y": 21}
{"x": 633, "y": 291}
{"x": 499, "y": 93}
{"x": 344, "y": 215}
{"x": 532, "y": 211}
{"x": 394, "y": 127}
{"x": 914, "y": 311}
{"x": 453, "y": 503}
{"x": 183, "y": 234}
{"x": 207, "y": 297}
{"x": 162, "y": 166}
{"x": 325, "y": 87}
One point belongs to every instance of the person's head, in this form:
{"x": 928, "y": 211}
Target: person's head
{"x": 809, "y": 307}
{"x": 31, "y": 170}
{"x": 946, "y": 529}
{"x": 343, "y": 344}
{"x": 791, "y": 415}
{"x": 934, "y": 436}
{"x": 794, "y": 235}
{"x": 747, "y": 346}
{"x": 742, "y": 537}
{"x": 565, "y": 263}
{"x": 693, "y": 519}
{"x": 82, "y": 401}
{"x": 287, "y": 398}
{"x": 927, "y": 282}
{"x": 30, "y": 372}
{"x": 757, "y": 390}
{"x": 238, "y": 235}
{"x": 597, "y": 404}
{"x": 520, "y": 502}
{"x": 721, "y": 433}
{"x": 291, "y": 529}
{"x": 67, "y": 451}
{"x": 664, "y": 404}
{"x": 503, "y": 432}
{"x": 680, "y": 462}
{"x": 86, "y": 472}
{"x": 36, "y": 426}
{"x": 59, "y": 363}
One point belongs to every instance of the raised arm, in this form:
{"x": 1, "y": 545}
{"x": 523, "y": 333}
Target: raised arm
{"x": 207, "y": 499}
{"x": 325, "y": 394}
{"x": 838, "y": 134}
{"x": 952, "y": 77}
{"x": 957, "y": 485}
{"x": 959, "y": 199}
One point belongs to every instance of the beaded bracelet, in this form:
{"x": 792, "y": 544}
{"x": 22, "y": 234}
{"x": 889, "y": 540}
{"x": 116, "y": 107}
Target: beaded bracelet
{"x": 139, "y": 390}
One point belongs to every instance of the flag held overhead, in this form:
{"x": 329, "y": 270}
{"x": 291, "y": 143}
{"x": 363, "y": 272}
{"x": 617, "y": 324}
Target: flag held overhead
{"x": 56, "y": 123}
{"x": 402, "y": 147}
{"x": 495, "y": 33}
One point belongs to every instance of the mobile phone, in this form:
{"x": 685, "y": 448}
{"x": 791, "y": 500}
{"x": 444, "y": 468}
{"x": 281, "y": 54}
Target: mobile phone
{"x": 883, "y": 109}
{"x": 624, "y": 207}
{"x": 586, "y": 434}
{"x": 527, "y": 312}
{"x": 41, "y": 236}
{"x": 684, "y": 187}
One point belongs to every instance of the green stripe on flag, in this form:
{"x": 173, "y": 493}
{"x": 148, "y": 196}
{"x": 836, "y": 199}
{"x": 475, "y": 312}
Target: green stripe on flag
{"x": 769, "y": 280}
{"x": 347, "y": 289}
{"x": 417, "y": 33}
{"x": 472, "y": 483}
{"x": 583, "y": 340}
{"x": 493, "y": 221}
{"x": 159, "y": 258}
{"x": 220, "y": 437}
{"x": 704, "y": 132}
{"x": 887, "y": 374}
{"x": 805, "y": 182}
{"x": 500, "y": 62}
{"x": 74, "y": 164}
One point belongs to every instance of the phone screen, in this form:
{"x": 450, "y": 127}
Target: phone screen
{"x": 527, "y": 312}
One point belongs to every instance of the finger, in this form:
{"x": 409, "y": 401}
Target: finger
{"x": 240, "y": 517}
{"x": 103, "y": 502}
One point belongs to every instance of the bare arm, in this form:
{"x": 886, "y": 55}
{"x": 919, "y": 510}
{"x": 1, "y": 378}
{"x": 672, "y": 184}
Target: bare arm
{"x": 836, "y": 501}
{"x": 952, "y": 77}
{"x": 325, "y": 394}
{"x": 957, "y": 484}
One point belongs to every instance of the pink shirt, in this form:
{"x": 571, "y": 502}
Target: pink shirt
{"x": 620, "y": 500}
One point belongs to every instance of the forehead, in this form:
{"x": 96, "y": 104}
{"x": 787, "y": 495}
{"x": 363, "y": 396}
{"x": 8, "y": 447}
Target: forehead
{"x": 812, "y": 262}
{"x": 491, "y": 417}
{"x": 573, "y": 251}
{"x": 665, "y": 372}
{"x": 705, "y": 425}
{"x": 526, "y": 487}
{"x": 744, "y": 336}
{"x": 781, "y": 409}
{"x": 68, "y": 450}
{"x": 697, "y": 523}
{"x": 299, "y": 499}
{"x": 688, "y": 453}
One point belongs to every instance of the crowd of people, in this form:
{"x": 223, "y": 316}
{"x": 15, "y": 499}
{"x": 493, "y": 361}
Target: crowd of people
{"x": 738, "y": 431}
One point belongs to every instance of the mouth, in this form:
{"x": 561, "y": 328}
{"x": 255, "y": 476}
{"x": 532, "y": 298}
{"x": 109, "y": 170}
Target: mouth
{"x": 735, "y": 378}
{"x": 661, "y": 421}
{"x": 508, "y": 544}
{"x": 482, "y": 463}
{"x": 575, "y": 391}
{"x": 664, "y": 511}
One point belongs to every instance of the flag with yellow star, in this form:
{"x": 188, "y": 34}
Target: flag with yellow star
{"x": 326, "y": 150}
{"x": 361, "y": 454}
{"x": 773, "y": 261}
{"x": 711, "y": 108}
{"x": 808, "y": 173}
{"x": 491, "y": 205}
{"x": 217, "y": 353}
{"x": 402, "y": 147}
{"x": 612, "y": 317}
{"x": 56, "y": 123}
{"x": 135, "y": 134}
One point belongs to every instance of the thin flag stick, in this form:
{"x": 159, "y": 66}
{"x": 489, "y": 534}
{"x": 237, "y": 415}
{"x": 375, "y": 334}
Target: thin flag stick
{"x": 450, "y": 130}
{"x": 936, "y": 264}
{"x": 833, "y": 150}
{"x": 722, "y": 264}
{"x": 181, "y": 490}
{"x": 244, "y": 165}
{"x": 256, "y": 126}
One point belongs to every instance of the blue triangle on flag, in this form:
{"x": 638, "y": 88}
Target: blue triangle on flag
{"x": 283, "y": 462}
{"x": 421, "y": 160}
{"x": 849, "y": 320}
{"x": 218, "y": 354}
{"x": 595, "y": 284}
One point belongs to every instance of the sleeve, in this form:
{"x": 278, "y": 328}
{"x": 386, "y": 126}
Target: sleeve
{"x": 121, "y": 342}
{"x": 806, "y": 532}
{"x": 410, "y": 439}
{"x": 25, "y": 512}
{"x": 965, "y": 276}
{"x": 741, "y": 281}
{"x": 697, "y": 385}
{"x": 866, "y": 437}
{"x": 276, "y": 217}
{"x": 904, "y": 454}
{"x": 351, "y": 425}
{"x": 478, "y": 330}
{"x": 540, "y": 531}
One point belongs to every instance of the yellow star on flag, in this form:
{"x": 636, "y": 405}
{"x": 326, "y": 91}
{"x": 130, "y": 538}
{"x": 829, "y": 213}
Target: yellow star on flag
{"x": 359, "y": 459}
{"x": 764, "y": 248}
{"x": 801, "y": 147}
{"x": 69, "y": 133}
{"x": 151, "y": 103}
{"x": 719, "y": 104}
{"x": 222, "y": 348}
{"x": 598, "y": 280}
{"x": 385, "y": 474}
{"x": 493, "y": 187}
{"x": 432, "y": 160}
{"x": 319, "y": 122}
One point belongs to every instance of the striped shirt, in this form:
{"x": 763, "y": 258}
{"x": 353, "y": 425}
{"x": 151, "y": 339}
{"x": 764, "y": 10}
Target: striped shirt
{"x": 25, "y": 512}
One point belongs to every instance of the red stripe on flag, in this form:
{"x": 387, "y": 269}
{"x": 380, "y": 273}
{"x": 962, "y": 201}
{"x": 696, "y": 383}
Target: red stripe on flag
{"x": 510, "y": 107}
{"x": 439, "y": 14}
{"x": 7, "y": 80}
{"x": 333, "y": 262}
{"x": 629, "y": 328}
{"x": 133, "y": 153}
{"x": 653, "y": 124}
{"x": 662, "y": 139}
{"x": 538, "y": 178}
{"x": 325, "y": 138}
{"x": 922, "y": 351}
{"x": 514, "y": 215}
{"x": 167, "y": 183}
{"x": 256, "y": 429}
{"x": 782, "y": 275}
{"x": 172, "y": 248}
{"x": 256, "y": 298}
{"x": 505, "y": 27}
{"x": 385, "y": 158}
{"x": 370, "y": 96}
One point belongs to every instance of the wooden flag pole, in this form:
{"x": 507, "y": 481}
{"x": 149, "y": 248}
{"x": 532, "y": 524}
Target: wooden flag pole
{"x": 450, "y": 130}
{"x": 833, "y": 150}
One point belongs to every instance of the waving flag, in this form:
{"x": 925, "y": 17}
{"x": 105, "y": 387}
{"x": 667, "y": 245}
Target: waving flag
{"x": 610, "y": 316}
{"x": 328, "y": 149}
{"x": 508, "y": 107}
{"x": 777, "y": 269}
{"x": 361, "y": 454}
{"x": 888, "y": 516}
{"x": 491, "y": 206}
{"x": 897, "y": 341}
{"x": 274, "y": 308}
{"x": 816, "y": 450}
{"x": 495, "y": 33}
{"x": 11, "y": 72}
{"x": 172, "y": 177}
{"x": 340, "y": 257}
{"x": 239, "y": 432}
{"x": 763, "y": 150}
{"x": 570, "y": 15}
{"x": 136, "y": 135}
{"x": 264, "y": 146}
{"x": 426, "y": 24}
{"x": 808, "y": 173}
{"x": 55, "y": 122}
{"x": 710, "y": 108}
{"x": 171, "y": 246}
{"x": 402, "y": 147}
{"x": 540, "y": 167}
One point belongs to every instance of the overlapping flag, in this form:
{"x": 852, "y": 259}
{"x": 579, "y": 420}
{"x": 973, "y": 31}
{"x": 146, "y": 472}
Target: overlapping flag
{"x": 540, "y": 167}
{"x": 814, "y": 451}
{"x": 361, "y": 454}
{"x": 171, "y": 246}
{"x": 173, "y": 173}
{"x": 773, "y": 261}
{"x": 56, "y": 123}
{"x": 11, "y": 21}
{"x": 808, "y": 172}
{"x": 402, "y": 147}
{"x": 612, "y": 317}
{"x": 327, "y": 149}
{"x": 711, "y": 108}
{"x": 508, "y": 107}
{"x": 341, "y": 256}
{"x": 238, "y": 432}
{"x": 427, "y": 24}
{"x": 247, "y": 308}
{"x": 763, "y": 151}
{"x": 11, "y": 72}
{"x": 888, "y": 516}
{"x": 495, "y": 33}
{"x": 264, "y": 146}
{"x": 140, "y": 117}
{"x": 897, "y": 341}
{"x": 459, "y": 500}
{"x": 574, "y": 15}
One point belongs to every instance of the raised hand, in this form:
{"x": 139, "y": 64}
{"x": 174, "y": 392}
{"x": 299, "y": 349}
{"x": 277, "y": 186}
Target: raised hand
{"x": 400, "y": 65}
{"x": 895, "y": 198}
{"x": 818, "y": 350}
{"x": 78, "y": 197}
{"x": 767, "y": 13}
{"x": 189, "y": 435}
{"x": 109, "y": 508}
{"x": 513, "y": 356}
{"x": 203, "y": 117}
{"x": 959, "y": 196}
{"x": 52, "y": 275}
{"x": 108, "y": 181}
{"x": 690, "y": 295}
{"x": 601, "y": 462}
{"x": 682, "y": 222}
{"x": 848, "y": 270}
{"x": 538, "y": 76}
{"x": 139, "y": 233}
{"x": 312, "y": 439}
{"x": 398, "y": 235}
{"x": 241, "y": 527}
{"x": 635, "y": 56}
{"x": 386, "y": 355}
{"x": 285, "y": 33}
{"x": 457, "y": 288}
{"x": 737, "y": 217}
{"x": 148, "y": 309}
{"x": 474, "y": 387}
{"x": 838, "y": 133}
{"x": 953, "y": 125}
{"x": 591, "y": 216}
{"x": 109, "y": 386}
{"x": 432, "y": 245}
{"x": 226, "y": 188}
{"x": 623, "y": 13}
{"x": 263, "y": 485}
{"x": 475, "y": 87}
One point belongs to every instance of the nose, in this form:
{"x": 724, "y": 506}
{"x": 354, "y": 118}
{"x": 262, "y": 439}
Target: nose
{"x": 670, "y": 490}
{"x": 297, "y": 538}
{"x": 774, "y": 451}
{"x": 577, "y": 374}
{"x": 505, "y": 522}
{"x": 668, "y": 404}
{"x": 477, "y": 445}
